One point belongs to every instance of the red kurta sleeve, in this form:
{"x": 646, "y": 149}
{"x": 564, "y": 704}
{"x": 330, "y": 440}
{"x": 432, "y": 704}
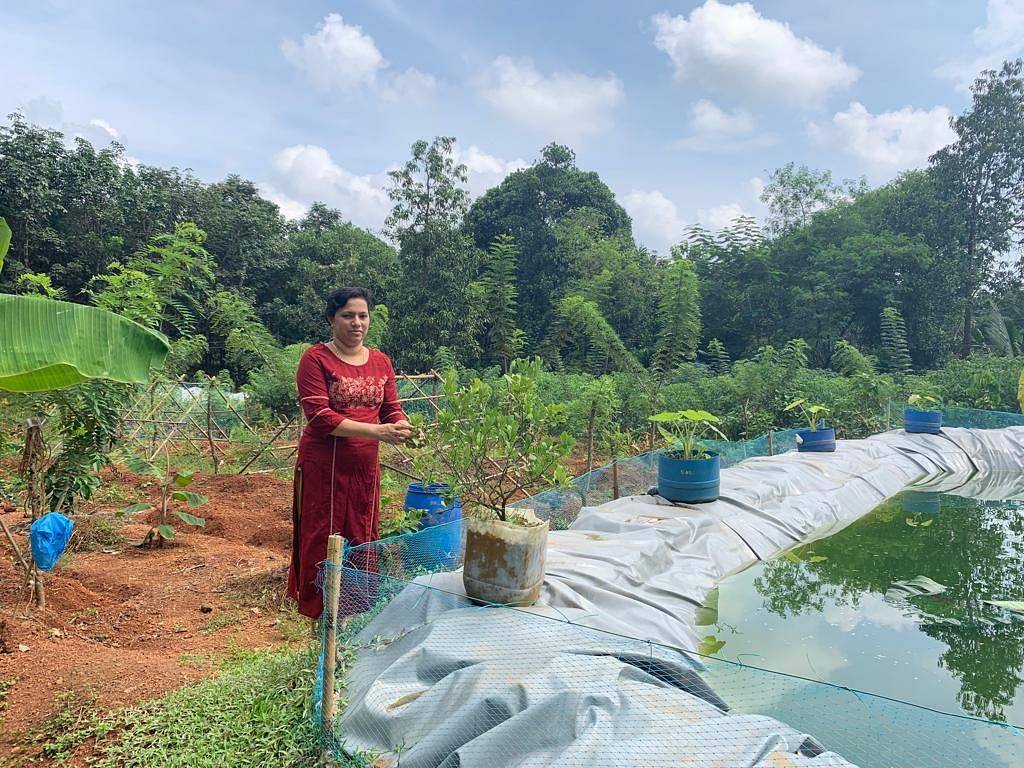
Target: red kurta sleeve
{"x": 390, "y": 410}
{"x": 311, "y": 380}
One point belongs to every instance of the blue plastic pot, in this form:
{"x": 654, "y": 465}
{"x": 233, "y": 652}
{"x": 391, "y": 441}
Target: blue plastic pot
{"x": 438, "y": 543}
{"x": 694, "y": 481}
{"x": 816, "y": 440}
{"x": 922, "y": 422}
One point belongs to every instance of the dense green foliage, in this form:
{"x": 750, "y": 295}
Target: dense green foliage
{"x": 841, "y": 297}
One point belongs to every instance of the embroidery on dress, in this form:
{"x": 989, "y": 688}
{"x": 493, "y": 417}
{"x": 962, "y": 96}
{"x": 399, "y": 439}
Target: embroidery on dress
{"x": 363, "y": 392}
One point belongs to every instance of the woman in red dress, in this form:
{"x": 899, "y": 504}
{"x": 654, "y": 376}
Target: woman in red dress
{"x": 348, "y": 394}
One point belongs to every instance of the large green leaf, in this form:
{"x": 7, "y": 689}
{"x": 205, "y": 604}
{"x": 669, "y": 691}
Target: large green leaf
{"x": 190, "y": 498}
{"x": 190, "y": 519}
{"x": 5, "y": 240}
{"x": 46, "y": 344}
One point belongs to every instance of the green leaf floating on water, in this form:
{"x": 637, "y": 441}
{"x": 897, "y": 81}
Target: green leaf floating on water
{"x": 918, "y": 523}
{"x": 817, "y": 559}
{"x": 1016, "y": 606}
{"x": 919, "y": 586}
{"x": 710, "y": 645}
{"x": 707, "y": 614}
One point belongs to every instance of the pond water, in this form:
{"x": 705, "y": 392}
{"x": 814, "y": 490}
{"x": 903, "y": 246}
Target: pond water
{"x": 841, "y": 610}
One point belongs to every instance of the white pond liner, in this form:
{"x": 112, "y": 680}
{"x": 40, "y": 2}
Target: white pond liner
{"x": 438, "y": 682}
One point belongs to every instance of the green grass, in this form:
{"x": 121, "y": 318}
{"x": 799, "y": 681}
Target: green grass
{"x": 255, "y": 713}
{"x": 210, "y": 626}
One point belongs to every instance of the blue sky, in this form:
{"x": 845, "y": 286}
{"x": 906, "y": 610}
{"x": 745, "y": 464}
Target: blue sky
{"x": 682, "y": 107}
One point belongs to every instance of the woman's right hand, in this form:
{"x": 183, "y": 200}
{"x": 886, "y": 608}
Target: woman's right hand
{"x": 393, "y": 433}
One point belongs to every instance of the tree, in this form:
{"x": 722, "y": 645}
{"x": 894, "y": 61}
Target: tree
{"x": 794, "y": 194}
{"x": 717, "y": 357}
{"x": 982, "y": 174}
{"x": 245, "y": 233}
{"x": 324, "y": 252}
{"x": 678, "y": 316}
{"x": 504, "y": 337}
{"x": 437, "y": 259}
{"x": 894, "y": 357}
{"x": 529, "y": 205}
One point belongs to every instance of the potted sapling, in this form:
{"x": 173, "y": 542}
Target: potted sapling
{"x": 493, "y": 444}
{"x": 817, "y": 438}
{"x": 687, "y": 470}
{"x": 923, "y": 415}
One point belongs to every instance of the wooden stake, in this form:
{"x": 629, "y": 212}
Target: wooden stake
{"x": 615, "y": 477}
{"x": 332, "y": 591}
{"x": 210, "y": 386}
{"x": 771, "y": 442}
{"x": 590, "y": 438}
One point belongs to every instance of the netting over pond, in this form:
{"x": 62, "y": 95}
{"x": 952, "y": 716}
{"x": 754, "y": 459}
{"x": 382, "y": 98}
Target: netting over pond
{"x": 495, "y": 686}
{"x": 427, "y": 679}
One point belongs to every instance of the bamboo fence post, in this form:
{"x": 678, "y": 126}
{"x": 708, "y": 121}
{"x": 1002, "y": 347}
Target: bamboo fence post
{"x": 771, "y": 442}
{"x": 332, "y": 590}
{"x": 615, "y": 477}
{"x": 590, "y": 439}
{"x": 210, "y": 386}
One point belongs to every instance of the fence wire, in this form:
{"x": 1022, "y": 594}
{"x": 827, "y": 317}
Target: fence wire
{"x": 425, "y": 678}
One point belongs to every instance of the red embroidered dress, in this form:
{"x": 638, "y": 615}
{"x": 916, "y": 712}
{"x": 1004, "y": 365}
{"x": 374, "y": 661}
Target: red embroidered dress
{"x": 337, "y": 479}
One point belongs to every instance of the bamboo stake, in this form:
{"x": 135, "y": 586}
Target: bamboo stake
{"x": 14, "y": 545}
{"x": 210, "y": 386}
{"x": 590, "y": 439}
{"x": 332, "y": 590}
{"x": 615, "y": 477}
{"x": 771, "y": 442}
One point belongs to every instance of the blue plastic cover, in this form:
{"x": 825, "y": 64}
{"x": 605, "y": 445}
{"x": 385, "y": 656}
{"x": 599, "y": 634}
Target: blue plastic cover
{"x": 48, "y": 537}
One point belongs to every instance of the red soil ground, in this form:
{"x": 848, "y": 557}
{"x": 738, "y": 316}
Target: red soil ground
{"x": 127, "y": 624}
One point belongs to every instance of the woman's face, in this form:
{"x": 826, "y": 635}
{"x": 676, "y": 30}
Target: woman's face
{"x": 350, "y": 323}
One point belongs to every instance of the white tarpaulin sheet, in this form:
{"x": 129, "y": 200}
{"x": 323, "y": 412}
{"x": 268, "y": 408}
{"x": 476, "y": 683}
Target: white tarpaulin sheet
{"x": 441, "y": 683}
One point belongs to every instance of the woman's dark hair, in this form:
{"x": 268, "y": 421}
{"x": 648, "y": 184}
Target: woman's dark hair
{"x": 339, "y": 297}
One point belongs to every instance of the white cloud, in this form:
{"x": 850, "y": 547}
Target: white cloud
{"x": 733, "y": 49}
{"x": 1000, "y": 39}
{"x": 342, "y": 57}
{"x": 560, "y": 105}
{"x": 290, "y": 209}
{"x": 50, "y": 113}
{"x": 106, "y": 127}
{"x": 720, "y": 216}
{"x": 337, "y": 56}
{"x": 410, "y": 86}
{"x": 756, "y": 185}
{"x": 717, "y": 130}
{"x": 483, "y": 170}
{"x": 889, "y": 141}
{"x": 656, "y": 220}
{"x": 306, "y": 173}
{"x": 871, "y": 608}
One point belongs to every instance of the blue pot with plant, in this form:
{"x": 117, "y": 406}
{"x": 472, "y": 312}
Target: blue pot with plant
{"x": 438, "y": 543}
{"x": 817, "y": 438}
{"x": 687, "y": 471}
{"x": 923, "y": 415}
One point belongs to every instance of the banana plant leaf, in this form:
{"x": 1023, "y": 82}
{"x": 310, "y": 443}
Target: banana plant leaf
{"x": 47, "y": 344}
{"x": 5, "y": 240}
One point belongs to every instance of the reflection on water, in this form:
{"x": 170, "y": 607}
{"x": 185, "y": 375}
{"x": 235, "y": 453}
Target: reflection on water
{"x": 850, "y": 609}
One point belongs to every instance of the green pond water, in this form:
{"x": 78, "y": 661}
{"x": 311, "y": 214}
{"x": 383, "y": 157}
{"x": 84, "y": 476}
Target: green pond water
{"x": 834, "y": 611}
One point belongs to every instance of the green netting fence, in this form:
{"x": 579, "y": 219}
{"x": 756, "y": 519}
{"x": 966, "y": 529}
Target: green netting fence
{"x": 508, "y": 686}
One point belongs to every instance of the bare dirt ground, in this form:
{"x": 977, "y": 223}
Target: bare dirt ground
{"x": 123, "y": 624}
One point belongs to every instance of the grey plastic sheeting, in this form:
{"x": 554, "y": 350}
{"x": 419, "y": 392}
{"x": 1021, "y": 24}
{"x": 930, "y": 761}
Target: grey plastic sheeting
{"x": 443, "y": 683}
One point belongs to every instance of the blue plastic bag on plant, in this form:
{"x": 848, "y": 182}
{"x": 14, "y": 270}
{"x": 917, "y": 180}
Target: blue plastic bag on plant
{"x": 48, "y": 537}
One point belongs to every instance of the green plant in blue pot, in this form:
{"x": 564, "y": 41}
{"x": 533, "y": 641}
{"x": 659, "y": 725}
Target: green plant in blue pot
{"x": 818, "y": 437}
{"x": 687, "y": 471}
{"x": 923, "y": 415}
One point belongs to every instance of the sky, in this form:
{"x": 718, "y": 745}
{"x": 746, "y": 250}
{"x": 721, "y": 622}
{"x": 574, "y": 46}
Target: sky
{"x": 683, "y": 108}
